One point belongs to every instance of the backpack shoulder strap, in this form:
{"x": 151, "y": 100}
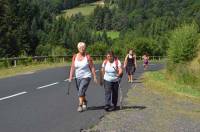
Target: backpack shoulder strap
{"x": 74, "y": 57}
{"x": 105, "y": 62}
{"x": 90, "y": 62}
{"x": 116, "y": 62}
{"x": 88, "y": 57}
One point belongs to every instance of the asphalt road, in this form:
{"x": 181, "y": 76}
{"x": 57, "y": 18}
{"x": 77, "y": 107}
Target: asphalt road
{"x": 38, "y": 102}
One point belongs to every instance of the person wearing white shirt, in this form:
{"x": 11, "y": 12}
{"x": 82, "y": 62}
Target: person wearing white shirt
{"x": 82, "y": 65}
{"x": 111, "y": 72}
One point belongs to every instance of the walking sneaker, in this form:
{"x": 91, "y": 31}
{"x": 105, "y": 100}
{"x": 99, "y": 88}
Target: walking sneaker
{"x": 84, "y": 106}
{"x": 113, "y": 108}
{"x": 106, "y": 107}
{"x": 80, "y": 109}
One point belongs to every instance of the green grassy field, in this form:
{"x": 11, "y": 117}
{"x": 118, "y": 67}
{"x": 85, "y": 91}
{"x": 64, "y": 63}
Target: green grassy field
{"x": 84, "y": 9}
{"x": 159, "y": 80}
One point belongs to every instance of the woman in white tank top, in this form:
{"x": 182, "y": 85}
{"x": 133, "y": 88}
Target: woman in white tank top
{"x": 83, "y": 67}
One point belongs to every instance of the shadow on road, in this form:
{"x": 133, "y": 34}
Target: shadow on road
{"x": 137, "y": 82}
{"x": 95, "y": 108}
{"x": 132, "y": 107}
{"x": 118, "y": 108}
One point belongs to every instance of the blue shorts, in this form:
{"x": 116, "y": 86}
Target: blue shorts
{"x": 82, "y": 85}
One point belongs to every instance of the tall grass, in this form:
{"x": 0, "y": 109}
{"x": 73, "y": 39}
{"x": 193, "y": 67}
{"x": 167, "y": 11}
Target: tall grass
{"x": 162, "y": 81}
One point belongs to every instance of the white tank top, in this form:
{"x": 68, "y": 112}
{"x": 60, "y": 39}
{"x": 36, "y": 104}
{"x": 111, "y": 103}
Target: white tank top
{"x": 82, "y": 69}
{"x": 110, "y": 73}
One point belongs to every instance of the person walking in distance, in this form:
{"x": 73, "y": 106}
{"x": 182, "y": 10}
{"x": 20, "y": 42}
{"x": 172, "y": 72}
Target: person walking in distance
{"x": 111, "y": 72}
{"x": 130, "y": 64}
{"x": 145, "y": 58}
{"x": 82, "y": 65}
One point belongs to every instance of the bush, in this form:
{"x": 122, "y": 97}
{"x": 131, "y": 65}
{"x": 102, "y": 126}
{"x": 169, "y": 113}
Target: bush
{"x": 3, "y": 64}
{"x": 139, "y": 44}
{"x": 43, "y": 50}
{"x": 183, "y": 45}
{"x": 25, "y": 62}
{"x": 142, "y": 45}
{"x": 98, "y": 48}
{"x": 49, "y": 50}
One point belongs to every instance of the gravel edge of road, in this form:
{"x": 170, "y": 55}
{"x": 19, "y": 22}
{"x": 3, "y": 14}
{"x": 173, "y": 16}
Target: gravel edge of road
{"x": 139, "y": 115}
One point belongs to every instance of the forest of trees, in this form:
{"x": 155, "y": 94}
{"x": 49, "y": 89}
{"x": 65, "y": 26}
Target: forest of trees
{"x": 31, "y": 27}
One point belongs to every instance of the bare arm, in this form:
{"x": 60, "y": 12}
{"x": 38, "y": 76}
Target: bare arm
{"x": 120, "y": 71}
{"x": 102, "y": 72}
{"x": 125, "y": 61}
{"x": 93, "y": 70}
{"x": 135, "y": 61}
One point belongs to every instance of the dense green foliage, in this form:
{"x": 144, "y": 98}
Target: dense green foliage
{"x": 22, "y": 22}
{"x": 30, "y": 27}
{"x": 183, "y": 44}
{"x": 183, "y": 48}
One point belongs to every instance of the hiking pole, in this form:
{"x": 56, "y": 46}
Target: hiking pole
{"x": 121, "y": 96}
{"x": 68, "y": 87}
{"x": 120, "y": 92}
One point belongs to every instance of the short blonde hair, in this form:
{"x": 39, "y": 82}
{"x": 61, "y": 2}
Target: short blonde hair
{"x": 81, "y": 44}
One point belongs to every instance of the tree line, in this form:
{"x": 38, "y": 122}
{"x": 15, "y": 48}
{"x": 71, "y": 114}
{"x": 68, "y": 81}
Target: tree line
{"x": 33, "y": 27}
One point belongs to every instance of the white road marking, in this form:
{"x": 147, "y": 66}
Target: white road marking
{"x": 48, "y": 85}
{"x": 14, "y": 95}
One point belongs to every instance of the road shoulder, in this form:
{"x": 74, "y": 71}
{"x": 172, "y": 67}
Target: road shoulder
{"x": 150, "y": 110}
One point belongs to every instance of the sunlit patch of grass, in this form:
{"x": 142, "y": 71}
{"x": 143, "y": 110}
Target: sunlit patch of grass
{"x": 195, "y": 66}
{"x": 84, "y": 9}
{"x": 160, "y": 81}
{"x": 12, "y": 71}
{"x": 110, "y": 34}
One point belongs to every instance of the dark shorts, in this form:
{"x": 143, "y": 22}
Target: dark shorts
{"x": 82, "y": 85}
{"x": 130, "y": 70}
{"x": 146, "y": 62}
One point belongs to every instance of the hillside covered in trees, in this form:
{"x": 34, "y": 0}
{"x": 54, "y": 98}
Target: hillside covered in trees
{"x": 31, "y": 27}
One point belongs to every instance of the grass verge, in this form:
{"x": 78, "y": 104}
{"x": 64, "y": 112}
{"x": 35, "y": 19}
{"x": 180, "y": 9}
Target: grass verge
{"x": 21, "y": 69}
{"x": 159, "y": 81}
{"x": 12, "y": 71}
